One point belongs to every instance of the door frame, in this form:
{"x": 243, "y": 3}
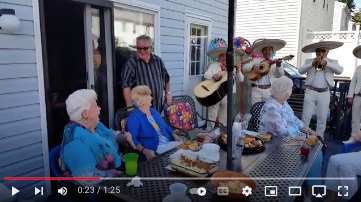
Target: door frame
{"x": 107, "y": 29}
{"x": 193, "y": 18}
{"x": 43, "y": 73}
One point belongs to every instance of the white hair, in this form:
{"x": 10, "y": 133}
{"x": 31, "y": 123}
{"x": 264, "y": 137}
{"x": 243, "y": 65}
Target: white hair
{"x": 79, "y": 101}
{"x": 281, "y": 87}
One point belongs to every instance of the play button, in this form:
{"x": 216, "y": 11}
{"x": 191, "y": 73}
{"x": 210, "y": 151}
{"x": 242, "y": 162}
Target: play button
{"x": 14, "y": 191}
{"x": 201, "y": 191}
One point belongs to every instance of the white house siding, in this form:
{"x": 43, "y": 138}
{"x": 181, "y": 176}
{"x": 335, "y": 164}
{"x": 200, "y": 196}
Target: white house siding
{"x": 314, "y": 18}
{"x": 341, "y": 17}
{"x": 21, "y": 149}
{"x": 172, "y": 25}
{"x": 277, "y": 19}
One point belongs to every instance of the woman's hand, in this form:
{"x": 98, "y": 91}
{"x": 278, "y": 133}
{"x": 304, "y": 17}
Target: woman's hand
{"x": 177, "y": 138}
{"x": 148, "y": 153}
{"x": 128, "y": 138}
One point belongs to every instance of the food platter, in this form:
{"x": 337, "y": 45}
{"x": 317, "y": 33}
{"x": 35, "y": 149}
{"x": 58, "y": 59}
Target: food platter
{"x": 235, "y": 186}
{"x": 190, "y": 165}
{"x": 252, "y": 144}
{"x": 195, "y": 145}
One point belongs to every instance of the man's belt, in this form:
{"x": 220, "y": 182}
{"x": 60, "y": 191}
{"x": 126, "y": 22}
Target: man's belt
{"x": 320, "y": 90}
{"x": 261, "y": 86}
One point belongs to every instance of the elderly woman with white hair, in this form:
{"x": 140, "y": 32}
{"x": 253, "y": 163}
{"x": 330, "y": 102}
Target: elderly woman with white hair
{"x": 278, "y": 118}
{"x": 146, "y": 125}
{"x": 89, "y": 148}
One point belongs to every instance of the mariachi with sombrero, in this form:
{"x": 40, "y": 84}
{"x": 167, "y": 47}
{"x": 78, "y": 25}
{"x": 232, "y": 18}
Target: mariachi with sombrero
{"x": 265, "y": 65}
{"x": 320, "y": 72}
{"x": 214, "y": 88}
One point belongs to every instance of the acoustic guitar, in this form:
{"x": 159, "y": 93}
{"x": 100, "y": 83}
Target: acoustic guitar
{"x": 210, "y": 92}
{"x": 265, "y": 68}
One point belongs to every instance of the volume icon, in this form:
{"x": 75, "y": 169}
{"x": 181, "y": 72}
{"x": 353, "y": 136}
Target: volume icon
{"x": 37, "y": 191}
{"x": 63, "y": 191}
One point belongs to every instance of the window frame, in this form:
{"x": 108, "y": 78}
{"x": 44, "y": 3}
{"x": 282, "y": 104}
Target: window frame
{"x": 142, "y": 7}
{"x": 201, "y": 68}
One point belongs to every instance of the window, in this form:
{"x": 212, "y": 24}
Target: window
{"x": 197, "y": 49}
{"x": 129, "y": 24}
{"x": 314, "y": 1}
{"x": 327, "y": 6}
{"x": 324, "y": 3}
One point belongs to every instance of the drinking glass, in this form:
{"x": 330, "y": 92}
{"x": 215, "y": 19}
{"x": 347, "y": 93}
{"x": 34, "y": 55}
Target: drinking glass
{"x": 131, "y": 163}
{"x": 178, "y": 191}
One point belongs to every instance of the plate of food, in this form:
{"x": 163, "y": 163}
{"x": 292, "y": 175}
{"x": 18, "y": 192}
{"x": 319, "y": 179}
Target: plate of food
{"x": 253, "y": 144}
{"x": 222, "y": 141}
{"x": 235, "y": 182}
{"x": 190, "y": 165}
{"x": 266, "y": 137}
{"x": 193, "y": 145}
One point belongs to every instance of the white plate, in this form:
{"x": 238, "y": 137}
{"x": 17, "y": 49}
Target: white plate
{"x": 169, "y": 199}
{"x": 251, "y": 133}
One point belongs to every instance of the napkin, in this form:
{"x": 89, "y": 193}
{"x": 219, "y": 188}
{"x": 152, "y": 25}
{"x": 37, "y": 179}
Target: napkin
{"x": 135, "y": 182}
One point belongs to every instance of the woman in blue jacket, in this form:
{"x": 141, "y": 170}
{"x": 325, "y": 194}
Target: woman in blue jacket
{"x": 146, "y": 125}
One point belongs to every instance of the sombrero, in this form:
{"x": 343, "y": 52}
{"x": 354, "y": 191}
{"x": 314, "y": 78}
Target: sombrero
{"x": 218, "y": 46}
{"x": 216, "y": 52}
{"x": 357, "y": 52}
{"x": 322, "y": 44}
{"x": 276, "y": 44}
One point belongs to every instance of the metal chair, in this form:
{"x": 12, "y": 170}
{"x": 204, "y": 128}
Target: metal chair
{"x": 255, "y": 112}
{"x": 182, "y": 115}
{"x": 121, "y": 118}
{"x": 54, "y": 155}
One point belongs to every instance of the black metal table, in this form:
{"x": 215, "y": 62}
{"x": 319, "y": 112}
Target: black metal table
{"x": 276, "y": 166}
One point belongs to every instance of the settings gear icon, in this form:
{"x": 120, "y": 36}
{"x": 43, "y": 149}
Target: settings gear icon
{"x": 246, "y": 190}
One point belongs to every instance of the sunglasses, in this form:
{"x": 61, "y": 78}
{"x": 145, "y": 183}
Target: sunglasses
{"x": 143, "y": 48}
{"x": 321, "y": 50}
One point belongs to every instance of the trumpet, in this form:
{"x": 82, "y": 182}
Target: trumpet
{"x": 319, "y": 66}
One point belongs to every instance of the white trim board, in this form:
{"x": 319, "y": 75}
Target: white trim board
{"x": 41, "y": 86}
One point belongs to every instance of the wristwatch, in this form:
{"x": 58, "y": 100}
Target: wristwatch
{"x": 167, "y": 93}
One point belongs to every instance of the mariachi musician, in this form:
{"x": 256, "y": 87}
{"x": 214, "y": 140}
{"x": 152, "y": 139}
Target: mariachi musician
{"x": 320, "y": 77}
{"x": 220, "y": 109}
{"x": 261, "y": 88}
{"x": 354, "y": 99}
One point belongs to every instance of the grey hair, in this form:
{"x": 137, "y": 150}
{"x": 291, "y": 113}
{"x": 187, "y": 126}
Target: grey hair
{"x": 281, "y": 87}
{"x": 144, "y": 37}
{"x": 79, "y": 101}
{"x": 138, "y": 93}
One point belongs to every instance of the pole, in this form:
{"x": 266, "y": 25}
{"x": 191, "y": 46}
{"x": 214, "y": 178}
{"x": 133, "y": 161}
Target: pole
{"x": 230, "y": 68}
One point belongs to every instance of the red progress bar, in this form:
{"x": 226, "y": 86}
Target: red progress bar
{"x": 50, "y": 178}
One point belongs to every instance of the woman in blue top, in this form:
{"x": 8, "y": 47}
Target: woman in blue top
{"x": 89, "y": 148}
{"x": 278, "y": 118}
{"x": 146, "y": 125}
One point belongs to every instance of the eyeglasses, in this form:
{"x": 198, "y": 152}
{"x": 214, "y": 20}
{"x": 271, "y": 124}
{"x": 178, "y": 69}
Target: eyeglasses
{"x": 143, "y": 48}
{"x": 321, "y": 50}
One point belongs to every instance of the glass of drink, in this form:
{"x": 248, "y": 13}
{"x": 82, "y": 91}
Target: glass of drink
{"x": 131, "y": 163}
{"x": 305, "y": 151}
{"x": 178, "y": 191}
{"x": 311, "y": 140}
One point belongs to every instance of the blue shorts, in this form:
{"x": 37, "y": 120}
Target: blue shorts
{"x": 315, "y": 171}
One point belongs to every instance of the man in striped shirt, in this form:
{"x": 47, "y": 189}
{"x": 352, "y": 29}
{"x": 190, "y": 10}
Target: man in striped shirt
{"x": 145, "y": 68}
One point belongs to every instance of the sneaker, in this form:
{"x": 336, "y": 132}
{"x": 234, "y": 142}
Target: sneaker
{"x": 350, "y": 141}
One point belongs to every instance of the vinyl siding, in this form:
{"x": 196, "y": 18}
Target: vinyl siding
{"x": 172, "y": 25}
{"x": 315, "y": 17}
{"x": 21, "y": 149}
{"x": 277, "y": 19}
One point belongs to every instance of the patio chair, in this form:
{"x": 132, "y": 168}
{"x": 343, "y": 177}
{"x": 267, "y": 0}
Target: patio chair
{"x": 121, "y": 121}
{"x": 255, "y": 112}
{"x": 182, "y": 115}
{"x": 54, "y": 156}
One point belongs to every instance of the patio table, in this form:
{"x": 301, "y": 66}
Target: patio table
{"x": 276, "y": 166}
